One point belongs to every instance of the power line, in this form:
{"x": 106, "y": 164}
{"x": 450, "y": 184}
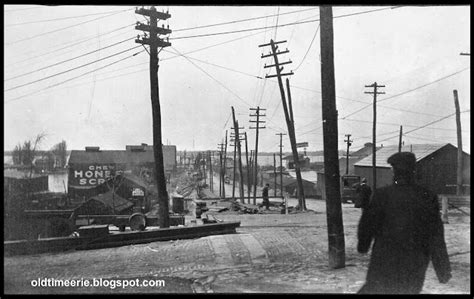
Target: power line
{"x": 69, "y": 70}
{"x": 70, "y": 45}
{"x": 424, "y": 85}
{"x": 221, "y": 84}
{"x": 62, "y": 82}
{"x": 426, "y": 125}
{"x": 243, "y": 20}
{"x": 405, "y": 92}
{"x": 70, "y": 59}
{"x": 307, "y": 51}
{"x": 22, "y": 9}
{"x": 60, "y": 19}
{"x": 266, "y": 27}
{"x": 64, "y": 28}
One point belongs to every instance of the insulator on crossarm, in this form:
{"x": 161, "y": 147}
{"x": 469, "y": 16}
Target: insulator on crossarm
{"x": 163, "y": 26}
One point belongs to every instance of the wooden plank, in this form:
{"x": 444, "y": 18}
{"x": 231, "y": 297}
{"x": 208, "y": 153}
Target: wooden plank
{"x": 22, "y": 247}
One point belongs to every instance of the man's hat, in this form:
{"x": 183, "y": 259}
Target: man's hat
{"x": 403, "y": 161}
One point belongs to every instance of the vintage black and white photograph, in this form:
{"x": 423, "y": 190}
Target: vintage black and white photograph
{"x": 236, "y": 149}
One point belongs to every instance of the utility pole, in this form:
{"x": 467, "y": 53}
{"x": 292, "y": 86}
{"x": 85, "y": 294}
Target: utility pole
{"x": 281, "y": 163}
{"x": 248, "y": 167}
{"x": 330, "y": 136}
{"x": 458, "y": 129}
{"x": 211, "y": 179}
{"x": 400, "y": 139}
{"x": 235, "y": 165}
{"x": 221, "y": 148}
{"x": 374, "y": 147}
{"x": 274, "y": 175}
{"x": 349, "y": 143}
{"x": 251, "y": 168}
{"x": 288, "y": 114}
{"x": 237, "y": 140}
{"x": 155, "y": 42}
{"x": 257, "y": 127}
{"x": 225, "y": 165}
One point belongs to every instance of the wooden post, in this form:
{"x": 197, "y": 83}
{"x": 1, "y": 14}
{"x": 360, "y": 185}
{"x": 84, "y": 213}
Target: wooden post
{"x": 374, "y": 131}
{"x": 225, "y": 165}
{"x": 299, "y": 178}
{"x": 331, "y": 155}
{"x": 400, "y": 140}
{"x": 458, "y": 130}
{"x": 248, "y": 167}
{"x": 274, "y": 176}
{"x": 155, "y": 42}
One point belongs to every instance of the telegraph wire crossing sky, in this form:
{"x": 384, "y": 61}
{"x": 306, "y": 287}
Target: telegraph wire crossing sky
{"x": 75, "y": 73}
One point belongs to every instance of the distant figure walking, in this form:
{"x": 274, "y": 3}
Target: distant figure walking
{"x": 363, "y": 194}
{"x": 265, "y": 202}
{"x": 404, "y": 221}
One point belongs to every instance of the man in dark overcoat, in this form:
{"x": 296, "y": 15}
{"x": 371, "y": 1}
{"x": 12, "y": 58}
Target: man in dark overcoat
{"x": 404, "y": 222}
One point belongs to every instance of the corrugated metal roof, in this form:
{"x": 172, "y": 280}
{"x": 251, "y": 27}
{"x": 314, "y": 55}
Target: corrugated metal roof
{"x": 420, "y": 150}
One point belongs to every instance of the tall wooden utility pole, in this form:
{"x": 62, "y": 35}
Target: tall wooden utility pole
{"x": 400, "y": 139}
{"x": 248, "y": 167}
{"x": 374, "y": 131}
{"x": 237, "y": 144}
{"x": 458, "y": 130}
{"x": 225, "y": 165}
{"x": 288, "y": 114}
{"x": 274, "y": 175}
{"x": 251, "y": 168}
{"x": 257, "y": 127}
{"x": 330, "y": 136}
{"x": 281, "y": 163}
{"x": 155, "y": 42}
{"x": 221, "y": 147}
{"x": 349, "y": 143}
{"x": 299, "y": 178}
{"x": 211, "y": 178}
{"x": 235, "y": 165}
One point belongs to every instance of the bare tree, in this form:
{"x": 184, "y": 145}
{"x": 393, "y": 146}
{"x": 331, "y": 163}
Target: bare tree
{"x": 60, "y": 153}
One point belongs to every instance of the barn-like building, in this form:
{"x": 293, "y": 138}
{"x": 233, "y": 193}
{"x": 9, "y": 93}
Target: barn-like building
{"x": 436, "y": 167}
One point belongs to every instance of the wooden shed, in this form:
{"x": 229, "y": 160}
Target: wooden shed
{"x": 436, "y": 167}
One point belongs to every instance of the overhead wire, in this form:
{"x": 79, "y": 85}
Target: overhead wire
{"x": 282, "y": 25}
{"x": 69, "y": 45}
{"x": 408, "y": 91}
{"x": 69, "y": 70}
{"x": 307, "y": 51}
{"x": 59, "y": 19}
{"x": 425, "y": 125}
{"x": 70, "y": 59}
{"x": 73, "y": 78}
{"x": 220, "y": 83}
{"x": 63, "y": 28}
{"x": 243, "y": 20}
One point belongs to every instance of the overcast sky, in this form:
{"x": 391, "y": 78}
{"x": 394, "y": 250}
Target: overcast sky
{"x": 53, "y": 83}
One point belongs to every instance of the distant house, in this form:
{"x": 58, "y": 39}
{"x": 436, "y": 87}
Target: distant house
{"x": 92, "y": 167}
{"x": 290, "y": 185}
{"x": 355, "y": 157}
{"x": 290, "y": 161}
{"x": 436, "y": 167}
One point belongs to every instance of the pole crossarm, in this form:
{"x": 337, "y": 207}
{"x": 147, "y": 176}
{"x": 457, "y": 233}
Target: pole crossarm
{"x": 284, "y": 74}
{"x": 152, "y": 30}
{"x": 281, "y": 63}
{"x": 153, "y": 13}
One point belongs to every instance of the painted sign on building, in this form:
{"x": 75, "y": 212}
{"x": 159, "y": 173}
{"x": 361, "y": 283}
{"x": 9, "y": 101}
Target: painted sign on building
{"x": 92, "y": 175}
